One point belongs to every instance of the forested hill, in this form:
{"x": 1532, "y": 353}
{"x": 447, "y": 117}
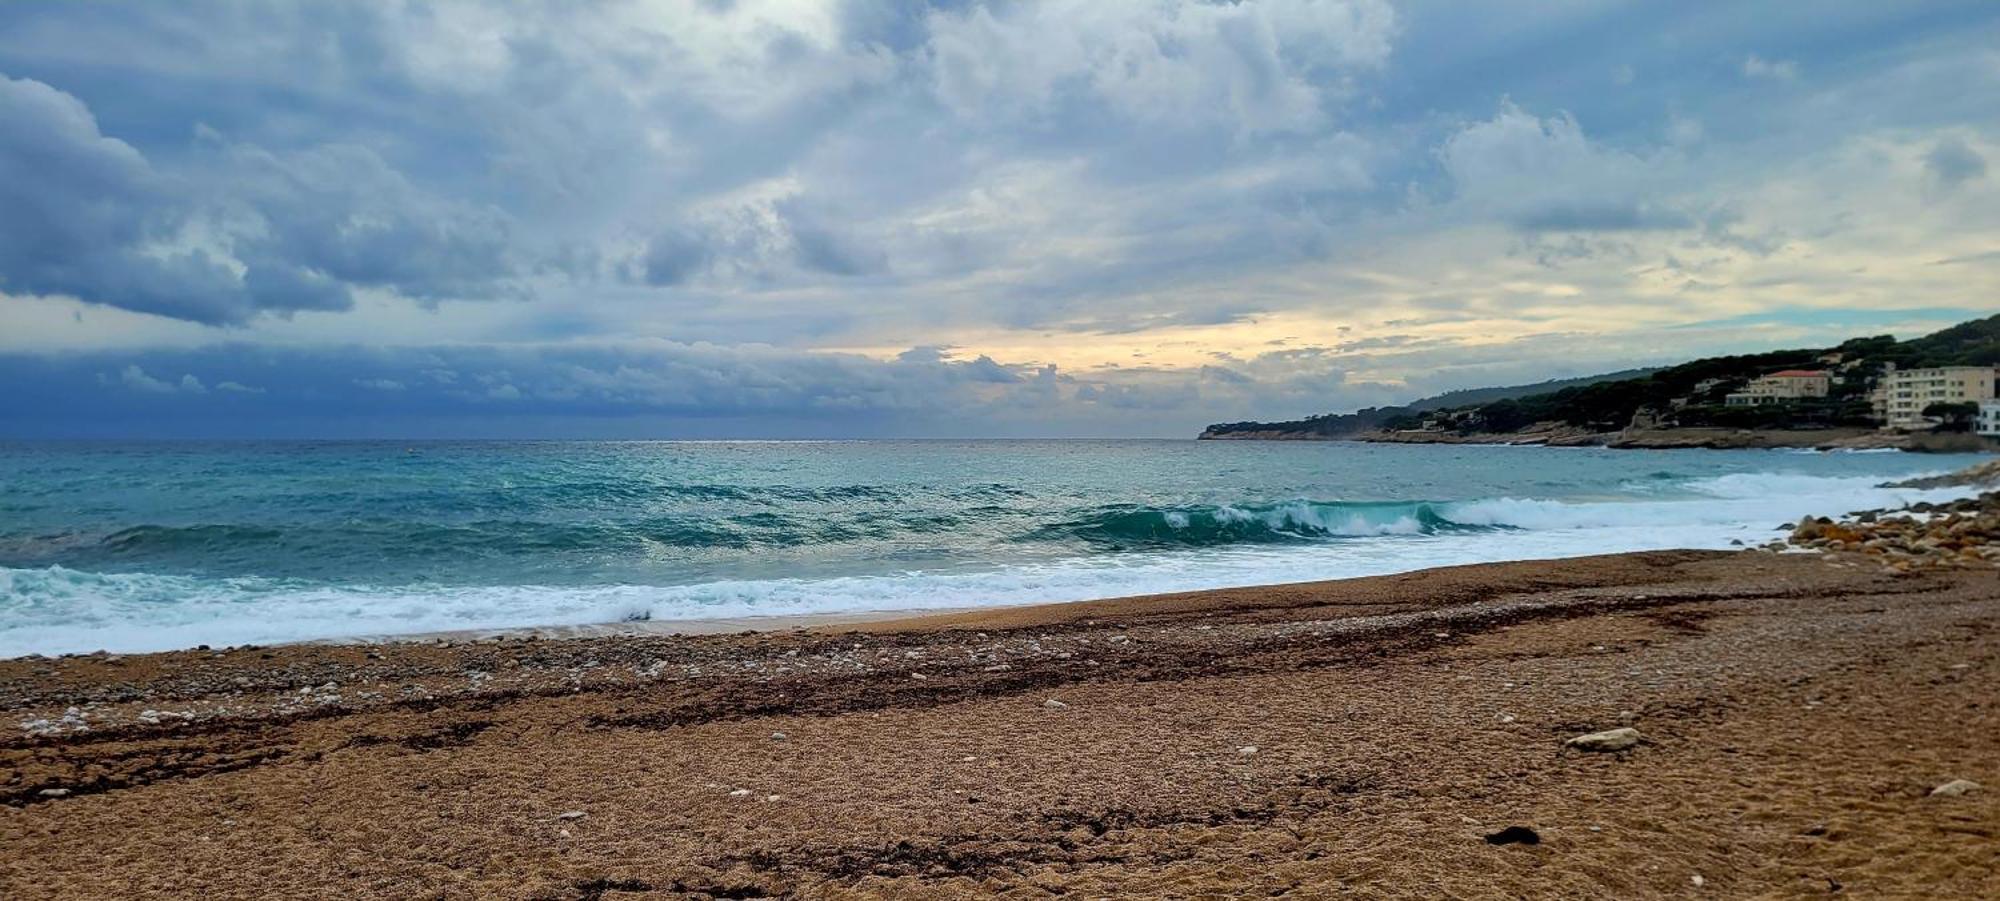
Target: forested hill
{"x": 1608, "y": 402}
{"x": 1334, "y": 425}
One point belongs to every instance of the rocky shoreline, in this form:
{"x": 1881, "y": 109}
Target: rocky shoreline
{"x": 1554, "y": 435}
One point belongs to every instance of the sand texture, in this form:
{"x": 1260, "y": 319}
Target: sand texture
{"x": 1373, "y": 737}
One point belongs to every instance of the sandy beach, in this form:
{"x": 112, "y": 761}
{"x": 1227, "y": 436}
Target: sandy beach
{"x": 1373, "y": 736}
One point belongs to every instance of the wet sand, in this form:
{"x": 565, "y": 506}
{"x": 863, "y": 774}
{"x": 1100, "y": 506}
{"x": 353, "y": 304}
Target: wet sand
{"x": 1358, "y": 737}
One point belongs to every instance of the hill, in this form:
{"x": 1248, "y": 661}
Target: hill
{"x": 1687, "y": 395}
{"x": 1336, "y": 425}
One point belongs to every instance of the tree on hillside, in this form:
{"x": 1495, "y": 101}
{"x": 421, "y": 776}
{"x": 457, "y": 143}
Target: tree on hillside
{"x": 1956, "y": 417}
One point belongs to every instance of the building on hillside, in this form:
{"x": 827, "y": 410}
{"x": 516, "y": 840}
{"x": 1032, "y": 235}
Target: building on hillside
{"x": 1989, "y": 418}
{"x": 1902, "y": 394}
{"x": 1782, "y": 388}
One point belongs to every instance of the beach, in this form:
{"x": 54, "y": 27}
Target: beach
{"x": 1375, "y": 736}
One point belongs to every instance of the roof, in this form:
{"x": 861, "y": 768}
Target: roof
{"x": 1799, "y": 374}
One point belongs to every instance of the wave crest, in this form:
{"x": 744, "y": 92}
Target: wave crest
{"x": 1221, "y": 524}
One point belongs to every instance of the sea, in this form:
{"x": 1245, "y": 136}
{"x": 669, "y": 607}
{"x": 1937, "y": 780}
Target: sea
{"x": 151, "y": 546}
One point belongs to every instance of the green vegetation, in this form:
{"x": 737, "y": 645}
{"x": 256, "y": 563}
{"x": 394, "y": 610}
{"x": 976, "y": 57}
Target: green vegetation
{"x": 1670, "y": 395}
{"x": 1953, "y": 417}
{"x": 1336, "y": 425}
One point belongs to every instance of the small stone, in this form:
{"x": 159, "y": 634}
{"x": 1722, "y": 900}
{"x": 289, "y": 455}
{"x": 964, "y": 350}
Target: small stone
{"x": 1247, "y": 750}
{"x": 1697, "y": 880}
{"x": 570, "y": 815}
{"x": 1619, "y": 739}
{"x": 777, "y": 736}
{"x": 61, "y": 793}
{"x": 1951, "y": 789}
{"x": 1514, "y": 835}
{"x": 1054, "y": 704}
{"x": 740, "y": 793}
{"x": 773, "y": 798}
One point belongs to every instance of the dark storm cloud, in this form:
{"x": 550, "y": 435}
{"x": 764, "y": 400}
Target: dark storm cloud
{"x": 78, "y": 211}
{"x": 89, "y": 216}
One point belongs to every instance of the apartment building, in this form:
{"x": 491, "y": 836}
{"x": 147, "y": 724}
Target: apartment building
{"x": 1902, "y": 394}
{"x": 1989, "y": 418}
{"x": 1781, "y": 387}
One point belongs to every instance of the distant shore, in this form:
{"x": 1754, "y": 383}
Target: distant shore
{"x": 1653, "y": 439}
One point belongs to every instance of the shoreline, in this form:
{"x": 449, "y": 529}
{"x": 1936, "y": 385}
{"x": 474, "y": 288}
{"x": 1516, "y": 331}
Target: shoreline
{"x": 1363, "y": 734}
{"x": 1656, "y": 439}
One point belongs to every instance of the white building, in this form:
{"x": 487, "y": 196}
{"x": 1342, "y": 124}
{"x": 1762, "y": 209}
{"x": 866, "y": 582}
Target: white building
{"x": 1989, "y": 418}
{"x": 1902, "y": 395}
{"x": 1782, "y": 387}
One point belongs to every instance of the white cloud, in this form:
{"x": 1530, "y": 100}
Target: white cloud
{"x": 1253, "y": 67}
{"x": 135, "y": 378}
{"x": 1545, "y": 175}
{"x": 1755, "y": 66}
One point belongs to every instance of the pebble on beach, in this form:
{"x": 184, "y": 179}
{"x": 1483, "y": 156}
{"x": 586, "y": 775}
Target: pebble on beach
{"x": 1954, "y": 788}
{"x": 1619, "y": 739}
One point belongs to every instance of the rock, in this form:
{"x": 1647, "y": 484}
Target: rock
{"x": 1247, "y": 750}
{"x": 570, "y": 815}
{"x": 1514, "y": 835}
{"x": 777, "y": 736}
{"x": 1951, "y": 789}
{"x": 64, "y": 793}
{"x": 1054, "y": 704}
{"x": 1619, "y": 739}
{"x": 740, "y": 793}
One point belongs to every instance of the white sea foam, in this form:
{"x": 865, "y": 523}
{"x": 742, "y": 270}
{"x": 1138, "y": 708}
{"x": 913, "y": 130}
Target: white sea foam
{"x": 52, "y": 610}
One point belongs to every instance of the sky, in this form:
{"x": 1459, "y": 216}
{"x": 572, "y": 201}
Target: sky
{"x": 743, "y": 219}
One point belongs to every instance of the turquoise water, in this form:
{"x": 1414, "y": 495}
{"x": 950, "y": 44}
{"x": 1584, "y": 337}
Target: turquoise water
{"x": 170, "y": 544}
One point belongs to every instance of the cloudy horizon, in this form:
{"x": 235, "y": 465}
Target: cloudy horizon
{"x": 727, "y": 218}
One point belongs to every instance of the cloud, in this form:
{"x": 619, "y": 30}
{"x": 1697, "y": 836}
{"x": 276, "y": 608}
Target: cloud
{"x": 1953, "y": 162}
{"x": 789, "y": 192}
{"x": 1755, "y": 66}
{"x": 134, "y": 377}
{"x": 237, "y": 231}
{"x": 85, "y": 214}
{"x": 1249, "y": 66}
{"x": 1542, "y": 174}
